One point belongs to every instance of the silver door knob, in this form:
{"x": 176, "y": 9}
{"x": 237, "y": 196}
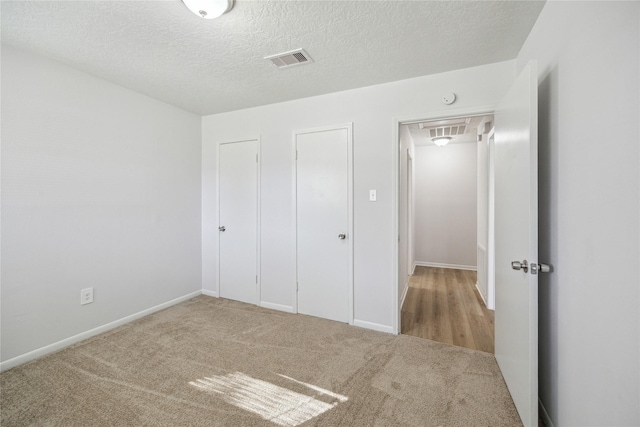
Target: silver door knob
{"x": 517, "y": 265}
{"x": 342, "y": 236}
{"x": 222, "y": 228}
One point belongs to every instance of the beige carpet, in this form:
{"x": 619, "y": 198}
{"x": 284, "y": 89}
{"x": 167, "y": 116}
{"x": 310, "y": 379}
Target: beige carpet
{"x": 215, "y": 362}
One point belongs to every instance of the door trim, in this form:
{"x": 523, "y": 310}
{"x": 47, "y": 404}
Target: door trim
{"x": 349, "y": 128}
{"x": 491, "y": 226}
{"x": 395, "y": 157}
{"x": 411, "y": 263}
{"x": 258, "y": 140}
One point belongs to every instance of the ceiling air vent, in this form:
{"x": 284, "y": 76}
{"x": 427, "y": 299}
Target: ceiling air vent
{"x": 445, "y": 128}
{"x": 447, "y": 131}
{"x": 291, "y": 58}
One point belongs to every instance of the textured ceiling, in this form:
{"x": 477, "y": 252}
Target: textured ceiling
{"x": 161, "y": 49}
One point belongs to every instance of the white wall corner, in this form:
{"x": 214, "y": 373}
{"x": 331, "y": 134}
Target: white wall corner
{"x": 210, "y": 293}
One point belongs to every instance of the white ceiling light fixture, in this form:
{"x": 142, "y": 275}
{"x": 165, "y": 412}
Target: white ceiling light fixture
{"x": 209, "y": 9}
{"x": 441, "y": 141}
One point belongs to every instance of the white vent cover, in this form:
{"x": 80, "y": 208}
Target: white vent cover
{"x": 445, "y": 129}
{"x": 291, "y": 58}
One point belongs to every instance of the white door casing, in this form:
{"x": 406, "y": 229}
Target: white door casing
{"x": 516, "y": 239}
{"x": 238, "y": 198}
{"x": 323, "y": 212}
{"x": 410, "y": 227}
{"x": 491, "y": 253}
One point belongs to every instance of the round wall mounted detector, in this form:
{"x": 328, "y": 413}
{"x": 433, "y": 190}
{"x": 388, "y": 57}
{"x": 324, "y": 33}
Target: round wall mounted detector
{"x": 448, "y": 98}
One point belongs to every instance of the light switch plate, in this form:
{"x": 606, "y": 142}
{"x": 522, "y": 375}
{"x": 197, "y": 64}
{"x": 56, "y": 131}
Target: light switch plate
{"x": 373, "y": 196}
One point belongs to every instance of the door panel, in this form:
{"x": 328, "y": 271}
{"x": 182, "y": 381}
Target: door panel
{"x": 238, "y": 204}
{"x": 516, "y": 239}
{"x": 322, "y": 214}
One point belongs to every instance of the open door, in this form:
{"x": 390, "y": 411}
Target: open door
{"x": 516, "y": 242}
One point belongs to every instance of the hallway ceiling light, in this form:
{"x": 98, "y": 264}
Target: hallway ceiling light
{"x": 209, "y": 9}
{"x": 441, "y": 141}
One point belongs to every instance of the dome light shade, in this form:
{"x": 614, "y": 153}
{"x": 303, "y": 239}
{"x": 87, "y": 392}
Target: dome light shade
{"x": 441, "y": 141}
{"x": 209, "y": 9}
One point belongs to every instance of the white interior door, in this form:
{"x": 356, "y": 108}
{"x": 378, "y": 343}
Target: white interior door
{"x": 323, "y": 223}
{"x": 238, "y": 225}
{"x": 516, "y": 239}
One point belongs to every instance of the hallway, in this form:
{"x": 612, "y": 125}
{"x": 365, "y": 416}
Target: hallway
{"x": 443, "y": 305}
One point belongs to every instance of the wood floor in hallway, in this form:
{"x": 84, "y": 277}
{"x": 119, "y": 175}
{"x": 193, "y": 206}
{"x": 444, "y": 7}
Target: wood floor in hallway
{"x": 444, "y": 305}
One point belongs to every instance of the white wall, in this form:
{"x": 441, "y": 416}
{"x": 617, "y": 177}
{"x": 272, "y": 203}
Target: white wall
{"x": 372, "y": 110}
{"x": 589, "y": 185}
{"x": 100, "y": 188}
{"x": 445, "y": 202}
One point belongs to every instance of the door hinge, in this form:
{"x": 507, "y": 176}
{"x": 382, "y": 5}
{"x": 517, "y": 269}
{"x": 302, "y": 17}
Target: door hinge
{"x": 256, "y": 158}
{"x": 256, "y": 279}
{"x": 296, "y": 154}
{"x": 297, "y": 286}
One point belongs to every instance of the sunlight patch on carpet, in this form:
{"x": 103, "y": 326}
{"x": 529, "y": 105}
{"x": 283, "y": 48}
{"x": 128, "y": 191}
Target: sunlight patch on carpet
{"x": 271, "y": 402}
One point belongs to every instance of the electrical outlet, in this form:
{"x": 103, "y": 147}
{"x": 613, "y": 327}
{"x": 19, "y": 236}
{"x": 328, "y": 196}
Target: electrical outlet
{"x": 86, "y": 296}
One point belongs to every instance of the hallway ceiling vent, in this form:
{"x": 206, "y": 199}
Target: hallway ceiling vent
{"x": 446, "y": 131}
{"x": 291, "y": 58}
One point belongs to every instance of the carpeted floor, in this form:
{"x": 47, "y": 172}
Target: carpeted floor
{"x": 215, "y": 362}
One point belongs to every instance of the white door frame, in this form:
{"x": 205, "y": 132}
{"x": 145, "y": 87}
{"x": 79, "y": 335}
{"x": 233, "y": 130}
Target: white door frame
{"x": 410, "y": 230}
{"x": 258, "y": 209}
{"x": 349, "y": 128}
{"x": 491, "y": 237}
{"x": 396, "y": 122}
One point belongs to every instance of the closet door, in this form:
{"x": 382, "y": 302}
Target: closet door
{"x": 238, "y": 225}
{"x": 323, "y": 223}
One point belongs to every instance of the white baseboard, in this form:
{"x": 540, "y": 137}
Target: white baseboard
{"x": 279, "y": 307}
{"x": 210, "y": 293}
{"x": 484, "y": 300}
{"x": 404, "y": 295}
{"x": 373, "y": 326}
{"x": 413, "y": 269}
{"x": 441, "y": 265}
{"x": 42, "y": 351}
{"x": 544, "y": 415}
